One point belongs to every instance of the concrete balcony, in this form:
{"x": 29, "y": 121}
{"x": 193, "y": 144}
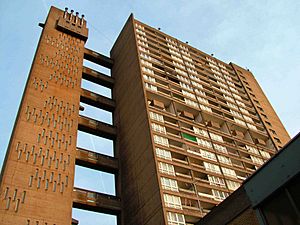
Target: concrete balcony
{"x": 94, "y": 201}
{"x": 97, "y": 77}
{"x": 96, "y": 100}
{"x": 98, "y": 58}
{"x": 96, "y": 127}
{"x": 96, "y": 161}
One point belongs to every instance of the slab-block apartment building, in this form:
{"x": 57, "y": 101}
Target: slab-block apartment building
{"x": 188, "y": 129}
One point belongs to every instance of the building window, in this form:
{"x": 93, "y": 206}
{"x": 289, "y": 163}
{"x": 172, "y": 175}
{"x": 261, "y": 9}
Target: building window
{"x": 224, "y": 159}
{"x": 265, "y": 154}
{"x": 189, "y": 137}
{"x": 146, "y": 63}
{"x": 234, "y": 90}
{"x": 213, "y": 180}
{"x": 248, "y": 119}
{"x": 182, "y": 73}
{"x": 228, "y": 98}
{"x": 220, "y": 148}
{"x": 237, "y": 96}
{"x": 186, "y": 86}
{"x": 166, "y": 168}
{"x": 202, "y": 100}
{"x": 240, "y": 122}
{"x": 177, "y": 58}
{"x": 145, "y": 69}
{"x": 169, "y": 184}
{"x": 151, "y": 87}
{"x": 172, "y": 201}
{"x": 205, "y": 108}
{"x": 244, "y": 111}
{"x": 268, "y": 123}
{"x": 164, "y": 154}
{"x": 232, "y": 105}
{"x": 260, "y": 108}
{"x": 216, "y": 137}
{"x": 200, "y": 132}
{"x": 219, "y": 195}
{"x": 208, "y": 155}
{"x": 252, "y": 149}
{"x": 249, "y": 89}
{"x": 232, "y": 185}
{"x": 156, "y": 116}
{"x": 228, "y": 172}
{"x": 222, "y": 66}
{"x": 277, "y": 140}
{"x": 236, "y": 114}
{"x": 149, "y": 78}
{"x": 256, "y": 160}
{"x": 158, "y": 128}
{"x": 252, "y": 127}
{"x": 161, "y": 140}
{"x": 264, "y": 115}
{"x": 257, "y": 102}
{"x": 196, "y": 84}
{"x": 240, "y": 103}
{"x": 172, "y": 51}
{"x": 204, "y": 143}
{"x": 175, "y": 219}
{"x": 212, "y": 167}
{"x": 191, "y": 103}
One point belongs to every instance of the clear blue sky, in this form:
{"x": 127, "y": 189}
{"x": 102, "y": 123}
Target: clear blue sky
{"x": 260, "y": 35}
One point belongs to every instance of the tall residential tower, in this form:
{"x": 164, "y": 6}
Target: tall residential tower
{"x": 188, "y": 129}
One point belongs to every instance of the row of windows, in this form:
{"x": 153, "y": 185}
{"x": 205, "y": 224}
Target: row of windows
{"x": 209, "y": 155}
{"x": 207, "y": 108}
{"x": 169, "y": 169}
{"x": 174, "y": 201}
{"x": 238, "y": 117}
{"x": 183, "y": 77}
{"x": 219, "y": 195}
{"x": 258, "y": 106}
{"x": 172, "y": 44}
{"x": 177, "y": 59}
{"x": 179, "y": 71}
{"x": 214, "y": 180}
{"x": 202, "y": 142}
{"x": 170, "y": 184}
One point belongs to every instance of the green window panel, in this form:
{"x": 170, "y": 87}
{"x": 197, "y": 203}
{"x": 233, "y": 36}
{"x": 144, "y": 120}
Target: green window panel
{"x": 189, "y": 137}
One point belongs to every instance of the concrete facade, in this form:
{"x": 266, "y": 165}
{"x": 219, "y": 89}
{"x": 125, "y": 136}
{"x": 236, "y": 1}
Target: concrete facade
{"x": 38, "y": 173}
{"x": 207, "y": 132}
{"x": 188, "y": 129}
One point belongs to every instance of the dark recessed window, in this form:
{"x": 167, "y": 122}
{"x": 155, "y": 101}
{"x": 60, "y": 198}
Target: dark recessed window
{"x": 282, "y": 208}
{"x": 268, "y": 123}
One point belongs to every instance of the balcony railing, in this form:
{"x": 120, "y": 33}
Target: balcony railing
{"x": 96, "y": 160}
{"x": 95, "y": 201}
